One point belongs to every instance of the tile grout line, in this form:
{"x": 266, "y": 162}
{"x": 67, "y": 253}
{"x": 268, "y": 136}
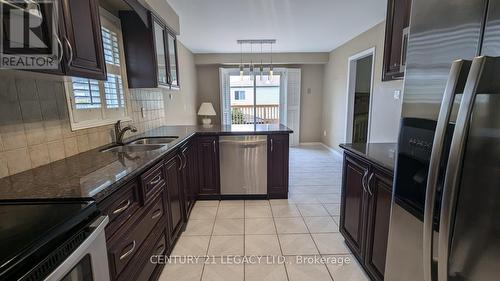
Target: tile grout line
{"x": 279, "y": 241}
{"x": 209, "y": 240}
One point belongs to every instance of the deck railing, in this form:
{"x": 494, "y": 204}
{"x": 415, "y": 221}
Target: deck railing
{"x": 265, "y": 114}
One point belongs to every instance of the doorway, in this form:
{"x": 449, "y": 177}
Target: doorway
{"x": 359, "y": 96}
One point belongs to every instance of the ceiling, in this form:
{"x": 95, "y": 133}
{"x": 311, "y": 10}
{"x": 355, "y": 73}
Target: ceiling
{"x": 213, "y": 26}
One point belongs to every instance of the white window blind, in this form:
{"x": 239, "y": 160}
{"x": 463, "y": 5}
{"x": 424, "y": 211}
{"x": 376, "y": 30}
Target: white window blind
{"x": 86, "y": 93}
{"x": 113, "y": 89}
{"x": 110, "y": 45}
{"x": 97, "y": 103}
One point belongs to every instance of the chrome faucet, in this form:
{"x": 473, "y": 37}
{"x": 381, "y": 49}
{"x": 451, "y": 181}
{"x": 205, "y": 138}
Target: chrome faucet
{"x": 119, "y": 131}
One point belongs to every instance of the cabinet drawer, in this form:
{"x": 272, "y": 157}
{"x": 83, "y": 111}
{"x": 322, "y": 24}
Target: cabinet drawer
{"x": 126, "y": 246}
{"x": 149, "y": 268}
{"x": 120, "y": 207}
{"x": 152, "y": 181}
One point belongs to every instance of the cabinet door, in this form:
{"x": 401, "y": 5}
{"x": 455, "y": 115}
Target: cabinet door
{"x": 161, "y": 58}
{"x": 189, "y": 176}
{"x": 398, "y": 18}
{"x": 173, "y": 69}
{"x": 352, "y": 203}
{"x": 174, "y": 196}
{"x": 83, "y": 39}
{"x": 379, "y": 210}
{"x": 277, "y": 166}
{"x": 208, "y": 169}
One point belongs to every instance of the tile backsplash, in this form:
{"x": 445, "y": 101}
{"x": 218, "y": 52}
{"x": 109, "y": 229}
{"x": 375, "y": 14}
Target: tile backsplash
{"x": 35, "y": 128}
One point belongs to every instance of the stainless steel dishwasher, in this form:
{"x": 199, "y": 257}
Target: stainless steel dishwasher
{"x": 243, "y": 162}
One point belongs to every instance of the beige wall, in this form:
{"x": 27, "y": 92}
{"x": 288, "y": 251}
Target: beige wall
{"x": 208, "y": 88}
{"x": 278, "y": 58}
{"x": 385, "y": 109}
{"x": 34, "y": 121}
{"x": 180, "y": 105}
{"x": 311, "y": 98}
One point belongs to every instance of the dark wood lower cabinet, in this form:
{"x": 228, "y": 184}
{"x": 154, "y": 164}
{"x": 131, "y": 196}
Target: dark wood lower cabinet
{"x": 174, "y": 195}
{"x": 277, "y": 166}
{"x": 208, "y": 165}
{"x": 149, "y": 213}
{"x": 352, "y": 212}
{"x": 365, "y": 212}
{"x": 379, "y": 211}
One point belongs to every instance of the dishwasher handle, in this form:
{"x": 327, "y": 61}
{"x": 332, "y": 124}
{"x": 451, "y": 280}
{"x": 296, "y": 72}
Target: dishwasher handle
{"x": 243, "y": 142}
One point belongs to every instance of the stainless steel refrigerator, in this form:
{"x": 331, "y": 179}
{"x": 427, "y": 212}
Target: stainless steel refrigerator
{"x": 446, "y": 198}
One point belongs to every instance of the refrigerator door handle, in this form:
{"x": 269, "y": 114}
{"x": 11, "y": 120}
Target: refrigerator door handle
{"x": 458, "y": 74}
{"x": 454, "y": 166}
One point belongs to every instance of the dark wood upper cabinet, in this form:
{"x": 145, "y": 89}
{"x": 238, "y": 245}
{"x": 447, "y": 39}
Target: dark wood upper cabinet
{"x": 151, "y": 60}
{"x": 208, "y": 165}
{"x": 353, "y": 203}
{"x": 379, "y": 210}
{"x": 277, "y": 166}
{"x": 396, "y": 39}
{"x": 82, "y": 39}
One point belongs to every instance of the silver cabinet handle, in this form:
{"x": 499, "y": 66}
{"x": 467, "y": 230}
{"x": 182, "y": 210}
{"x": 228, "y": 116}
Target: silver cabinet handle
{"x": 70, "y": 60}
{"x": 181, "y": 164}
{"x": 59, "y": 44}
{"x": 156, "y": 180}
{"x": 121, "y": 209}
{"x": 458, "y": 73}
{"x": 272, "y": 145}
{"x": 363, "y": 180}
{"x": 215, "y": 149}
{"x": 129, "y": 251}
{"x": 454, "y": 166}
{"x": 156, "y": 214}
{"x": 368, "y": 184}
{"x": 160, "y": 249}
{"x": 185, "y": 159}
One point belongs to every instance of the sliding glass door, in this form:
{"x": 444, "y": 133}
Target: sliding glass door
{"x": 252, "y": 100}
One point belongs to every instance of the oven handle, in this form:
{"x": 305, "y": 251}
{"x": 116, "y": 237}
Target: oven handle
{"x": 98, "y": 228}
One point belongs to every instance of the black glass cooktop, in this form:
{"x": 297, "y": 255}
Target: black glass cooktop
{"x": 28, "y": 230}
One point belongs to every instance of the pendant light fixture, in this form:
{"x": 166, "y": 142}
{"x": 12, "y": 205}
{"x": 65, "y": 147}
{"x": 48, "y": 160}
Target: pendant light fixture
{"x": 251, "y": 65}
{"x": 241, "y": 61}
{"x": 261, "y": 68}
{"x": 271, "y": 65}
{"x": 251, "y": 61}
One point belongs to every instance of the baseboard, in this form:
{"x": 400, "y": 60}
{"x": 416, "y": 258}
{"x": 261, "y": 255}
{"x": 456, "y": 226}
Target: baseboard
{"x": 338, "y": 153}
{"x": 311, "y": 143}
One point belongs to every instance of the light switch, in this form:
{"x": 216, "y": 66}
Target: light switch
{"x": 397, "y": 94}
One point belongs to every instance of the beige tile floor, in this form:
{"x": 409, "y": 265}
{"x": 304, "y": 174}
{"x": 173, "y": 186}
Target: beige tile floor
{"x": 281, "y": 232}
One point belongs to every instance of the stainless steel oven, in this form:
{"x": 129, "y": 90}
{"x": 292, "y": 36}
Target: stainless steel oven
{"x": 89, "y": 262}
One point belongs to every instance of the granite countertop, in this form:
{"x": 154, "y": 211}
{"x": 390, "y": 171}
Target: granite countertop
{"x": 93, "y": 175}
{"x": 382, "y": 154}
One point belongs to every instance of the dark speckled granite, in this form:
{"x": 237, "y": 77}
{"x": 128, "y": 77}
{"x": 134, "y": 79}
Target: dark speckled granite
{"x": 382, "y": 154}
{"x": 94, "y": 174}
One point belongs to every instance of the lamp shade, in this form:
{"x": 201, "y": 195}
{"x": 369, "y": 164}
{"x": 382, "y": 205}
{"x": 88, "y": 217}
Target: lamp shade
{"x": 207, "y": 109}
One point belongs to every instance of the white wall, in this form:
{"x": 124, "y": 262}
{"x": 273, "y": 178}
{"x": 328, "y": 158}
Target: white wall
{"x": 386, "y": 110}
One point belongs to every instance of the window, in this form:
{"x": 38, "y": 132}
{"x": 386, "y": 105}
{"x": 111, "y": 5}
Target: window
{"x": 96, "y": 103}
{"x": 239, "y": 95}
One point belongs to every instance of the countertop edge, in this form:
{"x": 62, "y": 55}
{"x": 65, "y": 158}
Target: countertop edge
{"x": 373, "y": 160}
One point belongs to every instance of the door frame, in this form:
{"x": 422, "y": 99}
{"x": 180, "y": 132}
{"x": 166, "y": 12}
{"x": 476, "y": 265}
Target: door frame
{"x": 350, "y": 92}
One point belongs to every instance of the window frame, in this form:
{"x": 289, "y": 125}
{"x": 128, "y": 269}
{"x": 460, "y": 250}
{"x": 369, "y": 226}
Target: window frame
{"x": 96, "y": 117}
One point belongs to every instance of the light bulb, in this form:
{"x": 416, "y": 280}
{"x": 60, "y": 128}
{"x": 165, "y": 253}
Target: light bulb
{"x": 241, "y": 72}
{"x": 271, "y": 74}
{"x": 251, "y": 72}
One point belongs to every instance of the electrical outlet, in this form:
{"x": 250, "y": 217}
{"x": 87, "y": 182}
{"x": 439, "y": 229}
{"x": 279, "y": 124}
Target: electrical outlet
{"x": 324, "y": 133}
{"x": 308, "y": 91}
{"x": 397, "y": 94}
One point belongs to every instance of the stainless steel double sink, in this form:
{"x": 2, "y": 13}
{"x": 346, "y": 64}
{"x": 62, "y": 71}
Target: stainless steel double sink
{"x": 142, "y": 145}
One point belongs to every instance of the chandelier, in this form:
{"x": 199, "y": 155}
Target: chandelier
{"x": 251, "y": 65}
